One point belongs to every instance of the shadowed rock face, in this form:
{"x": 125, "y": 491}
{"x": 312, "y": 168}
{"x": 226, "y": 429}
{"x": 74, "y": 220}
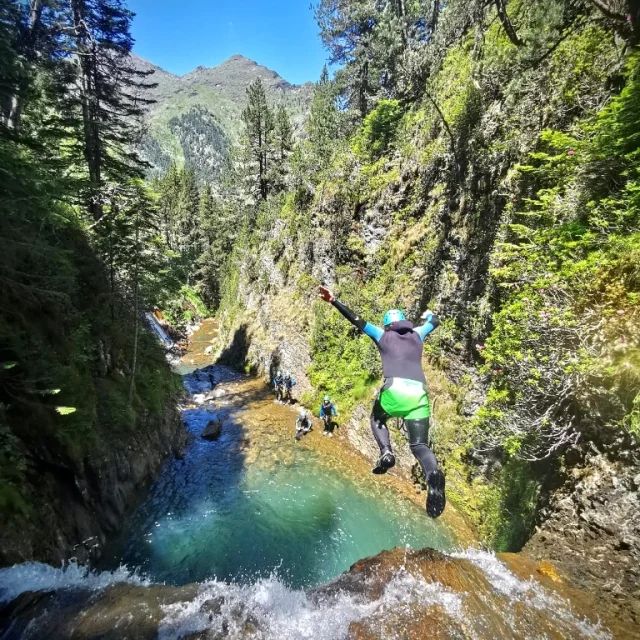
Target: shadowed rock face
{"x": 591, "y": 531}
{"x": 399, "y": 593}
{"x": 83, "y": 501}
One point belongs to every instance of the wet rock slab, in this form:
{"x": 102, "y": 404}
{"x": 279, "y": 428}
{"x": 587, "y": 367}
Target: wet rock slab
{"x": 396, "y": 594}
{"x": 121, "y": 612}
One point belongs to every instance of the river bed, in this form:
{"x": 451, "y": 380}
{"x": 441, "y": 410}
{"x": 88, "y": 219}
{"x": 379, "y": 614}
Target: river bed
{"x": 233, "y": 538}
{"x": 257, "y": 503}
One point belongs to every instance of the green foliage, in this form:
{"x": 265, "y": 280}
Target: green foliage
{"x": 490, "y": 171}
{"x": 78, "y": 249}
{"x": 378, "y": 130}
{"x": 569, "y": 256}
{"x": 183, "y": 307}
{"x": 507, "y": 508}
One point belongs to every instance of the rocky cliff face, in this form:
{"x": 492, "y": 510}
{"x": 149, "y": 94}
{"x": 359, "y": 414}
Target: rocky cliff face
{"x": 486, "y": 220}
{"x": 77, "y": 502}
{"x": 591, "y": 530}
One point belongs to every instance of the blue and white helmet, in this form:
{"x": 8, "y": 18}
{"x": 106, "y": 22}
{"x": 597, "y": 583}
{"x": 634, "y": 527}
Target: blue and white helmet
{"x": 395, "y": 315}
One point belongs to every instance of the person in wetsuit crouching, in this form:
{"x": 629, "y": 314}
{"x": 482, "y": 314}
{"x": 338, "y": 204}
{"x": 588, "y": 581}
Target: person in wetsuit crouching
{"x": 303, "y": 424}
{"x": 404, "y": 393}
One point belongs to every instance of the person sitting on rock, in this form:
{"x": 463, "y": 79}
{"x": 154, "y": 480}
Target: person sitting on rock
{"x": 327, "y": 411}
{"x": 288, "y": 383}
{"x": 403, "y": 394}
{"x": 303, "y": 425}
{"x": 278, "y": 386}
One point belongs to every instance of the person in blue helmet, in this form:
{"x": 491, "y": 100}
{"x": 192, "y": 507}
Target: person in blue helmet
{"x": 303, "y": 424}
{"x": 403, "y": 394}
{"x": 278, "y": 386}
{"x": 328, "y": 411}
{"x": 289, "y": 382}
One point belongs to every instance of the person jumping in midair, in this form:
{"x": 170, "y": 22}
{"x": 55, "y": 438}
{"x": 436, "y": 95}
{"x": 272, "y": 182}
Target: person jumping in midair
{"x": 403, "y": 394}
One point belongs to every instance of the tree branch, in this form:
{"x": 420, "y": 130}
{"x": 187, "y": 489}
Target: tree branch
{"x": 607, "y": 11}
{"x": 447, "y": 127}
{"x": 506, "y": 24}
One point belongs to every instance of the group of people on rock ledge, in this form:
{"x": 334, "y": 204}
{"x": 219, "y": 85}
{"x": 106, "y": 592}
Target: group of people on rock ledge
{"x": 402, "y": 395}
{"x": 283, "y": 384}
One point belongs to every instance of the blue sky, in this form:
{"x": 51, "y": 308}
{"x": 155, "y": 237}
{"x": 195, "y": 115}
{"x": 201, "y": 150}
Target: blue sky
{"x": 179, "y": 35}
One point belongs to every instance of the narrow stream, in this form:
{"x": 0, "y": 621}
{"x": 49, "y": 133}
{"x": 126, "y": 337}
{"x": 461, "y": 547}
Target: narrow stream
{"x": 232, "y": 539}
{"x": 256, "y": 503}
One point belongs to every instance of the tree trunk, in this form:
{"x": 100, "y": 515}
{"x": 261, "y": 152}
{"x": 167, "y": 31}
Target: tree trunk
{"x": 435, "y": 14}
{"x": 452, "y": 140}
{"x": 261, "y": 167}
{"x": 88, "y": 100}
{"x": 13, "y": 108}
{"x": 506, "y": 23}
{"x": 627, "y": 17}
{"x": 136, "y": 315}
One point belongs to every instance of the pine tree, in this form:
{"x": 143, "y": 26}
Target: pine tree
{"x": 378, "y": 46}
{"x": 323, "y": 123}
{"x": 347, "y": 30}
{"x": 282, "y": 148}
{"x": 188, "y": 231}
{"x": 169, "y": 188}
{"x": 109, "y": 93}
{"x": 218, "y": 235}
{"x": 259, "y": 127}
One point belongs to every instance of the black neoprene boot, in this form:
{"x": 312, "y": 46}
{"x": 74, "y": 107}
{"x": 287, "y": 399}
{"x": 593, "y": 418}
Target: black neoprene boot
{"x": 385, "y": 462}
{"x": 436, "y": 499}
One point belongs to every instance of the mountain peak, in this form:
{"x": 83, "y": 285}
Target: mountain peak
{"x": 239, "y": 58}
{"x": 237, "y": 72}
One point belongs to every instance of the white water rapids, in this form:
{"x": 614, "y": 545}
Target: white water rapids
{"x": 277, "y": 612}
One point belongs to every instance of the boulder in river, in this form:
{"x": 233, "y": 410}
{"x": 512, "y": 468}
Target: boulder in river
{"x": 213, "y": 430}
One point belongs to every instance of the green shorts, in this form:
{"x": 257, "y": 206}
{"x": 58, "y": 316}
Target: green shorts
{"x": 407, "y": 399}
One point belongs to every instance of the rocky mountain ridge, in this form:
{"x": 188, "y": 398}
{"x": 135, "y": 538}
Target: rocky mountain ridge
{"x": 196, "y": 118}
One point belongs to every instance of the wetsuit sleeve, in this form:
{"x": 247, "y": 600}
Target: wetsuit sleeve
{"x": 372, "y": 331}
{"x": 432, "y": 323}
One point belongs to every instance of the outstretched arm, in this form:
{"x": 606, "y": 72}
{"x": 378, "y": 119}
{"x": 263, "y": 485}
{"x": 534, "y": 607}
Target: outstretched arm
{"x": 371, "y": 330}
{"x": 431, "y": 322}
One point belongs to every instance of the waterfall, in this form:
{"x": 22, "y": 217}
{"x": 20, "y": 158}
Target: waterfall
{"x": 495, "y": 603}
{"x": 157, "y": 328}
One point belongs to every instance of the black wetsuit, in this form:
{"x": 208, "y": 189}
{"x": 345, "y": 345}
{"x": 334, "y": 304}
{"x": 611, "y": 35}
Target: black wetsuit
{"x": 400, "y": 346}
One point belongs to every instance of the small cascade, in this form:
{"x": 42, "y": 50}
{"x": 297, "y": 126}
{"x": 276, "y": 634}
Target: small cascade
{"x": 425, "y": 594}
{"x": 158, "y": 329}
